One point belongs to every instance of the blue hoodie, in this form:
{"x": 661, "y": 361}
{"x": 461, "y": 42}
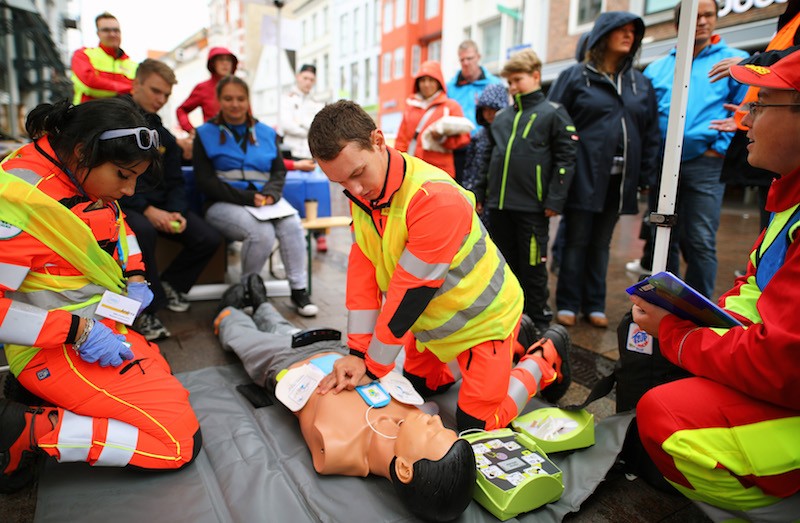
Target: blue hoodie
{"x": 467, "y": 93}
{"x": 610, "y": 115}
{"x": 705, "y": 98}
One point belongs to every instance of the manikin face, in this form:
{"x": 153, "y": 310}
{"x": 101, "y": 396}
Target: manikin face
{"x": 234, "y": 104}
{"x": 110, "y": 181}
{"x": 706, "y": 21}
{"x": 470, "y": 63}
{"x": 620, "y": 40}
{"x": 774, "y": 133}
{"x": 152, "y": 93}
{"x": 521, "y": 83}
{"x": 362, "y": 172}
{"x": 422, "y": 436}
{"x": 109, "y": 33}
{"x": 427, "y": 86}
{"x": 306, "y": 81}
{"x": 223, "y": 65}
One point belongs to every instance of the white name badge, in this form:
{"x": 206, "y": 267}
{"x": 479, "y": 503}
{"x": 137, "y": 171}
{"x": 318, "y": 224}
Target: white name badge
{"x": 401, "y": 389}
{"x": 297, "y": 385}
{"x": 118, "y": 308}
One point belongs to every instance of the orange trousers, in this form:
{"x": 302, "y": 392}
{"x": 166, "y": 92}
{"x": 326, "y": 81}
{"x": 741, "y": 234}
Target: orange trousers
{"x": 136, "y": 414}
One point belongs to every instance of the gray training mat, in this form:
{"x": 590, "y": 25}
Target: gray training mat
{"x": 255, "y": 466}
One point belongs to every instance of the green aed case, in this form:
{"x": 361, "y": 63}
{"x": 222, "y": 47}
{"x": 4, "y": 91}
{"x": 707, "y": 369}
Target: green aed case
{"x": 514, "y": 473}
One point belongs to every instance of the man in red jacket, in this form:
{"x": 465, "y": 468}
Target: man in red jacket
{"x": 103, "y": 71}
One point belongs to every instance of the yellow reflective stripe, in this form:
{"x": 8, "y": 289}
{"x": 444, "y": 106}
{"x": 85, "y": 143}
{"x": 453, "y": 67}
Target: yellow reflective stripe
{"x": 11, "y": 276}
{"x": 420, "y": 269}
{"x": 461, "y": 317}
{"x": 467, "y": 265}
{"x": 382, "y": 353}
{"x": 533, "y": 252}
{"x": 743, "y": 451}
{"x": 22, "y": 324}
{"x": 362, "y": 321}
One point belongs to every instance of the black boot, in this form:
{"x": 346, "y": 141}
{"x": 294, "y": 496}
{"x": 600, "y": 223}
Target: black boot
{"x": 234, "y": 297}
{"x": 256, "y": 290}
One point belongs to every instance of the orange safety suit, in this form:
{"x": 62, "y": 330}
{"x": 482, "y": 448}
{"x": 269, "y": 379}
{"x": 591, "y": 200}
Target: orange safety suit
{"x": 100, "y": 72}
{"x": 424, "y": 275}
{"x": 416, "y": 109}
{"x": 136, "y": 414}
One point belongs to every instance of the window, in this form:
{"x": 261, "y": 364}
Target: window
{"x": 344, "y": 34}
{"x": 431, "y": 9}
{"x": 656, "y": 6}
{"x": 435, "y": 50}
{"x": 325, "y": 20}
{"x": 388, "y": 10}
{"x": 416, "y": 56}
{"x": 305, "y": 32}
{"x": 369, "y": 78}
{"x": 323, "y": 78}
{"x": 399, "y": 62}
{"x": 314, "y": 26}
{"x": 386, "y": 68}
{"x": 400, "y": 13}
{"x": 413, "y": 12}
{"x": 376, "y": 9}
{"x": 357, "y": 30}
{"x": 490, "y": 41}
{"x": 588, "y": 10}
{"x": 354, "y": 81}
{"x": 342, "y": 83}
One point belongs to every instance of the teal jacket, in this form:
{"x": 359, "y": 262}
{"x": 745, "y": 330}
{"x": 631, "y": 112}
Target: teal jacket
{"x": 466, "y": 94}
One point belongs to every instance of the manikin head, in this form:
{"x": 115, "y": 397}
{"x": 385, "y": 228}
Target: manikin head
{"x": 433, "y": 472}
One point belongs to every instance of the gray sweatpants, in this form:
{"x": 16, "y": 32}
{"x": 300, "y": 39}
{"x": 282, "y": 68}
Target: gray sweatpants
{"x": 263, "y": 343}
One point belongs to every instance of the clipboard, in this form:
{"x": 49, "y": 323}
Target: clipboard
{"x": 673, "y": 294}
{"x": 280, "y": 209}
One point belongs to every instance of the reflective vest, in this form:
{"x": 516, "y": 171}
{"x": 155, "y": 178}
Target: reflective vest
{"x": 480, "y": 299}
{"x": 102, "y": 63}
{"x": 230, "y": 161}
{"x": 767, "y": 258}
{"x": 46, "y": 219}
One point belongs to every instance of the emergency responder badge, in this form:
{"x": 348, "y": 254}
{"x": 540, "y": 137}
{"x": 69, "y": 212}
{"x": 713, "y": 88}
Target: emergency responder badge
{"x": 43, "y": 374}
{"x": 8, "y": 231}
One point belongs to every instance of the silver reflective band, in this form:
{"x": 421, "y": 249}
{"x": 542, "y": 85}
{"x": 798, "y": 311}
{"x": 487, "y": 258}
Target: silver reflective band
{"x": 382, "y": 353}
{"x": 145, "y": 138}
{"x": 362, "y": 321}
{"x": 420, "y": 269}
{"x": 518, "y": 393}
{"x": 22, "y": 324}
{"x": 12, "y": 276}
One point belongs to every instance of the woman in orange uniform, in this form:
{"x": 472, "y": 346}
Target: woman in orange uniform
{"x": 67, "y": 263}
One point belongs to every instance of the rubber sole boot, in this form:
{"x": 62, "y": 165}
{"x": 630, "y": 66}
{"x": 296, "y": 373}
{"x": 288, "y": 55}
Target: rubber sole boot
{"x": 556, "y": 353}
{"x": 18, "y": 454}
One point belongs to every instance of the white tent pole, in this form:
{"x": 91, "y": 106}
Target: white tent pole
{"x": 673, "y": 147}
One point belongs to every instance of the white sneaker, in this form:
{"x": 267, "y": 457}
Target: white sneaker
{"x": 302, "y": 301}
{"x": 635, "y": 267}
{"x": 176, "y": 301}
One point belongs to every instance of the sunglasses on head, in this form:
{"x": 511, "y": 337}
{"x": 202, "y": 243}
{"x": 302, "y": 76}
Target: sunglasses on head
{"x": 145, "y": 138}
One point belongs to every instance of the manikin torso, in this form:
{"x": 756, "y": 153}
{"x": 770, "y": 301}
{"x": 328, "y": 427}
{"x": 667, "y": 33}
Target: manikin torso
{"x": 338, "y": 437}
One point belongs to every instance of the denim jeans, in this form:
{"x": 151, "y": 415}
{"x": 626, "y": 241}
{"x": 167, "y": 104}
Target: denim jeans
{"x": 258, "y": 237}
{"x": 584, "y": 263}
{"x": 698, "y": 207}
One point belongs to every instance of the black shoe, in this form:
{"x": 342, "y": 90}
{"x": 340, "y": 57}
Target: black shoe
{"x": 234, "y": 297}
{"x": 528, "y": 333}
{"x": 302, "y": 301}
{"x": 558, "y": 335}
{"x": 256, "y": 291}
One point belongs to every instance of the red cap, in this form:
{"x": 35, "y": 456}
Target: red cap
{"x": 783, "y": 74}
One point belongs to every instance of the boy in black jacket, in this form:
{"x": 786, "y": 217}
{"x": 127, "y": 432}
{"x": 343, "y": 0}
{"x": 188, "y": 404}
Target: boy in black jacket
{"x": 530, "y": 169}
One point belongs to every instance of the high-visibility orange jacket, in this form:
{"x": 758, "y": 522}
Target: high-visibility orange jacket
{"x": 100, "y": 72}
{"x": 424, "y": 266}
{"x": 42, "y": 294}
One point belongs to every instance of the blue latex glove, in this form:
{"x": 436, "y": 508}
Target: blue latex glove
{"x": 105, "y": 346}
{"x": 140, "y": 291}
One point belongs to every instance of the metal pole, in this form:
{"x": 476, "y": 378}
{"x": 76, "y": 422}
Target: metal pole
{"x": 673, "y": 146}
{"x": 279, "y": 5}
{"x": 13, "y": 86}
